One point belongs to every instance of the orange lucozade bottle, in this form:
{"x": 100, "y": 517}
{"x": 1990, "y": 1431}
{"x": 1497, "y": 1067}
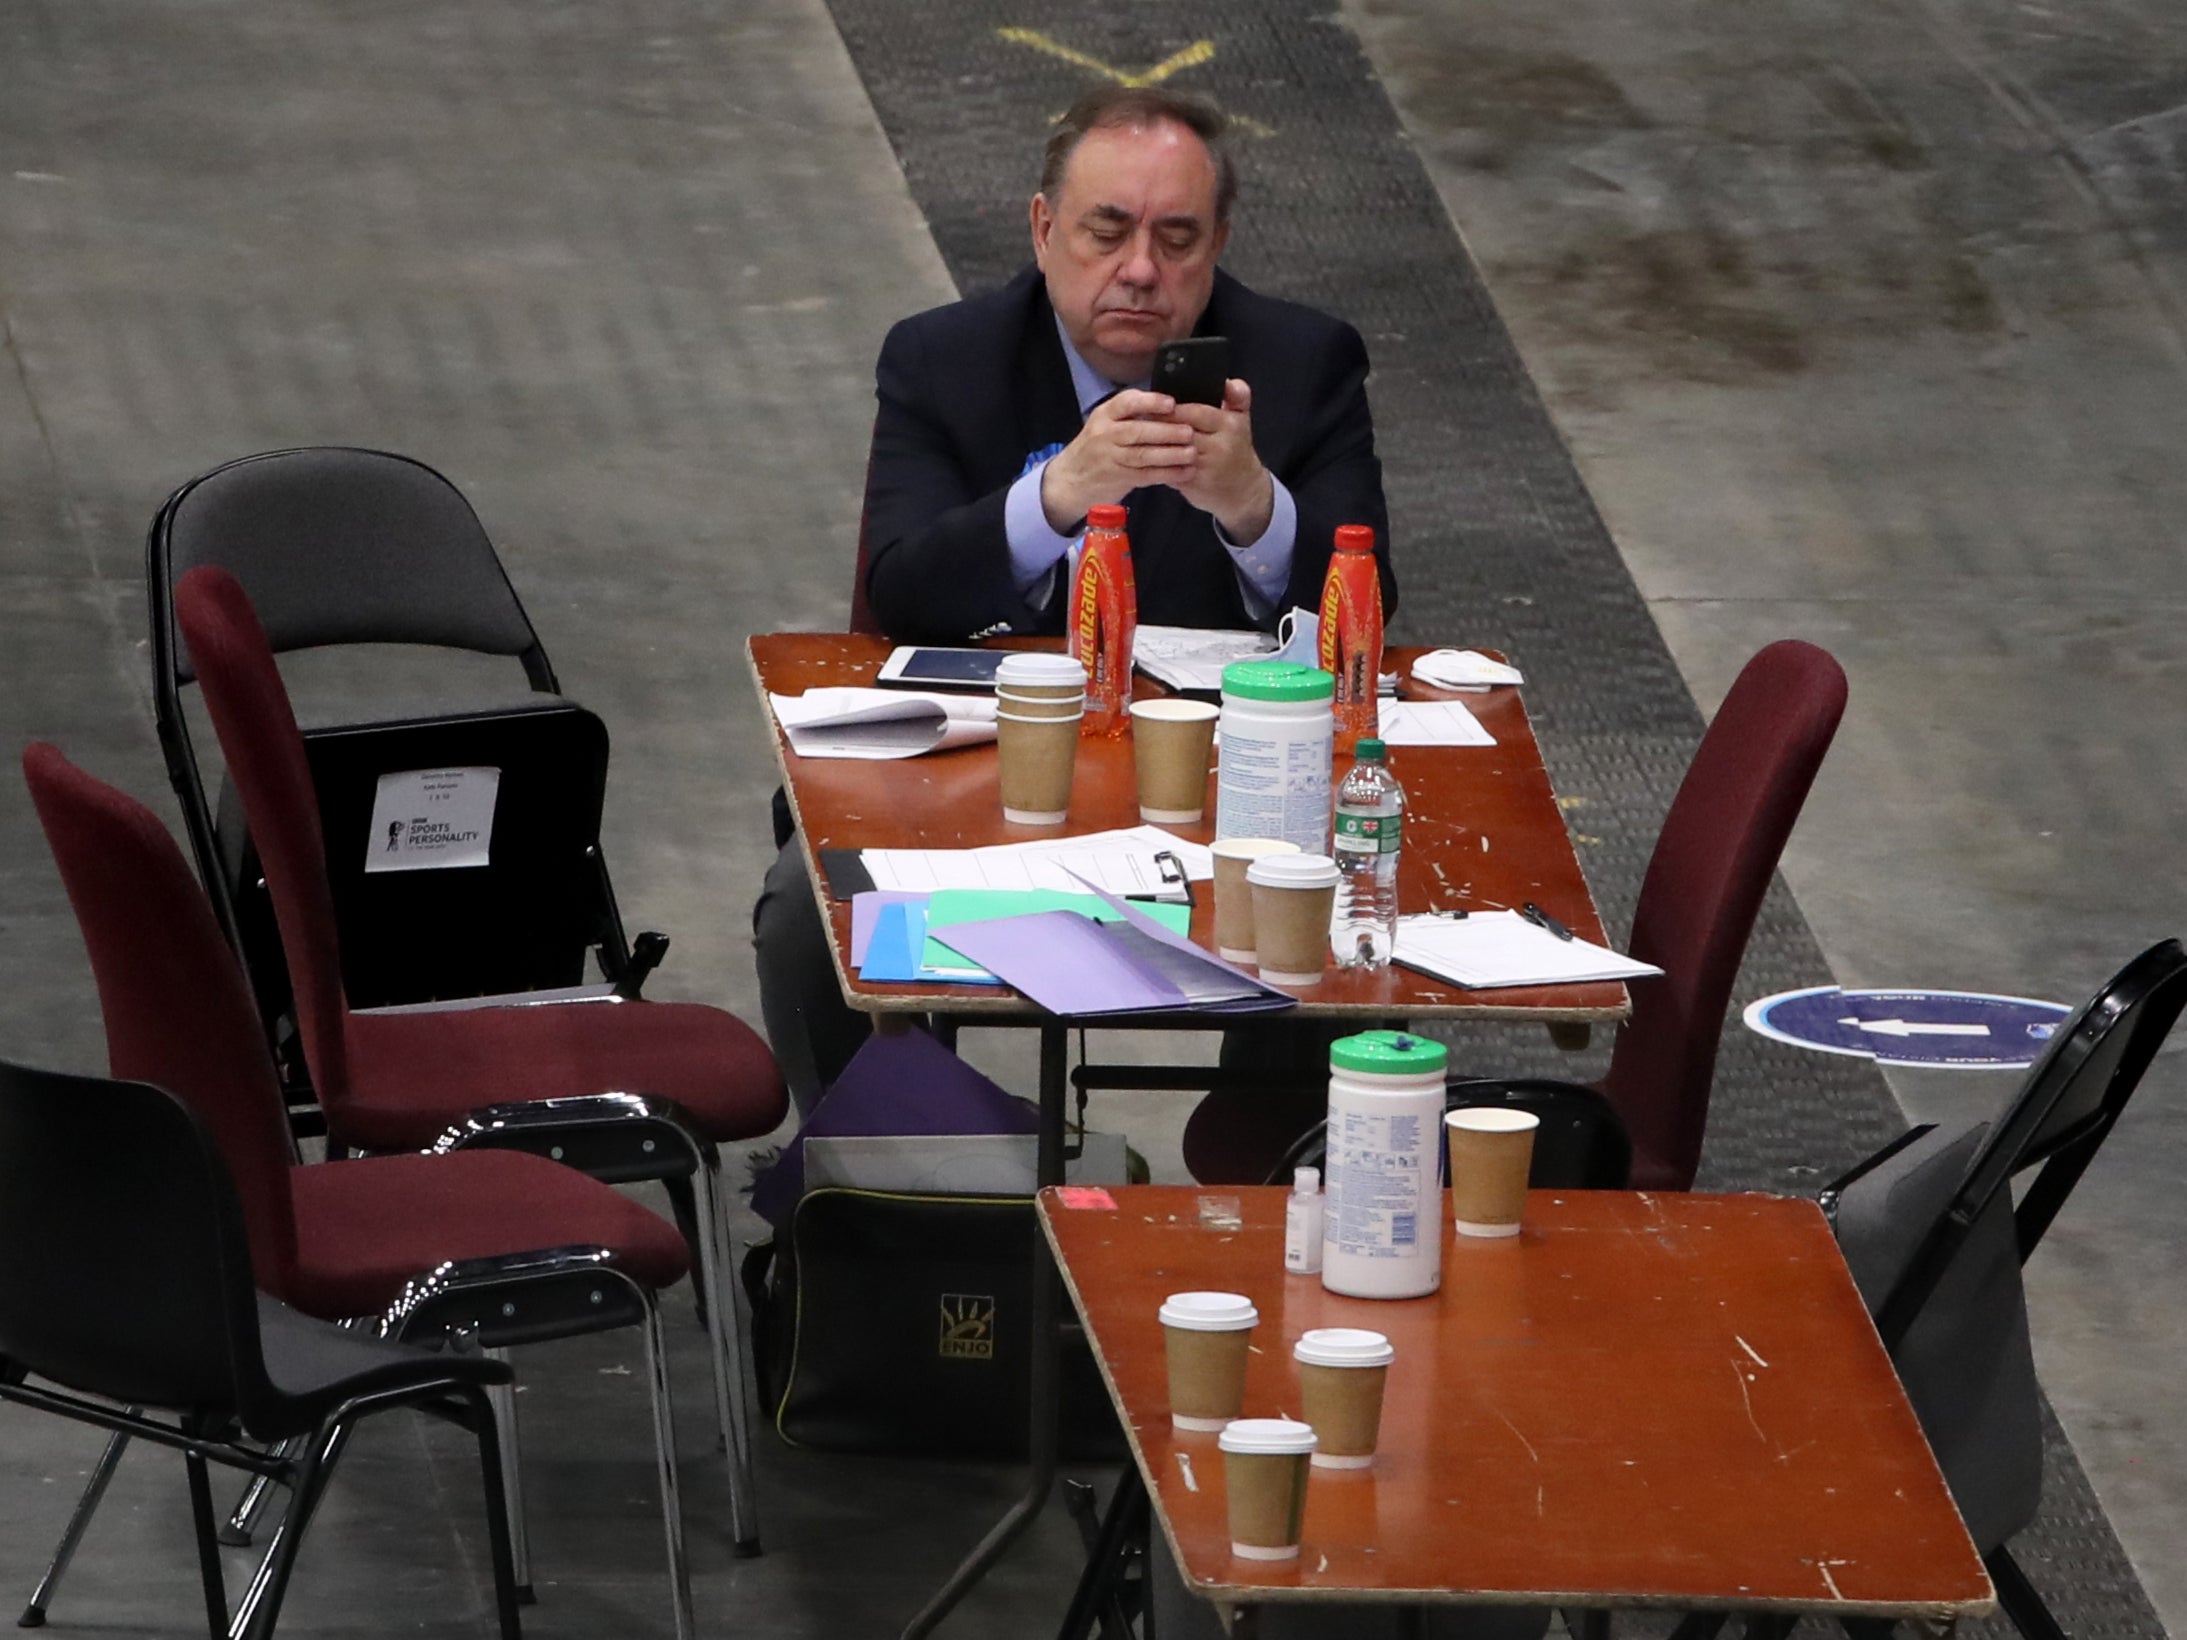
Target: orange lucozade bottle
{"x": 1351, "y": 633}
{"x": 1103, "y": 616}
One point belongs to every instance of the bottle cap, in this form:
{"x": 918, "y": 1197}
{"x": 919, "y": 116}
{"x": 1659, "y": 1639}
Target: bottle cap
{"x": 1306, "y": 1180}
{"x": 1343, "y": 1347}
{"x": 1354, "y": 538}
{"x": 1371, "y": 751}
{"x": 1209, "y": 1312}
{"x": 1388, "y": 1053}
{"x": 1277, "y": 680}
{"x": 1106, "y": 516}
{"x": 1280, "y": 1436}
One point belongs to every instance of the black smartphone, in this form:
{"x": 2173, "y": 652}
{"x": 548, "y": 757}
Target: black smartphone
{"x": 1194, "y": 370}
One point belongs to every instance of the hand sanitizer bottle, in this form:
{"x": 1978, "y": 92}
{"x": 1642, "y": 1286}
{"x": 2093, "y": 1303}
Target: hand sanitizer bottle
{"x": 1302, "y": 1225}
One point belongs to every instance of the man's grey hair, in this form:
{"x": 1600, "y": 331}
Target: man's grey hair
{"x": 1138, "y": 107}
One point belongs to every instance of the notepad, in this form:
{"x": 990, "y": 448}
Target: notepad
{"x": 1492, "y": 948}
{"x": 1125, "y": 861}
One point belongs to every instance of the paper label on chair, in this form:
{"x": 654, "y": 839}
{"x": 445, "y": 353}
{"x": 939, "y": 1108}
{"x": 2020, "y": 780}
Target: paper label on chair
{"x": 431, "y": 819}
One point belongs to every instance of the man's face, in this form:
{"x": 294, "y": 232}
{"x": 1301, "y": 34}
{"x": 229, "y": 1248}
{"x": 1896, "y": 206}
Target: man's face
{"x": 1129, "y": 243}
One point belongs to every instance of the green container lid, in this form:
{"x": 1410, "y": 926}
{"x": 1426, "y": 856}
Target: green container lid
{"x": 1371, "y": 751}
{"x": 1277, "y": 680}
{"x": 1388, "y": 1053}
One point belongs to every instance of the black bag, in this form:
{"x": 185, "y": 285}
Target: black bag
{"x": 902, "y": 1323}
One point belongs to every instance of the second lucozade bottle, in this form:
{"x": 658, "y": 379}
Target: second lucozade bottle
{"x": 1351, "y": 632}
{"x": 1103, "y": 617}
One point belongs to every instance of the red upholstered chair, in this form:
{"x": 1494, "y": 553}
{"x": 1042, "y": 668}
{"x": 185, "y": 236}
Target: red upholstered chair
{"x": 537, "y": 1249}
{"x": 1704, "y": 885}
{"x": 622, "y": 1089}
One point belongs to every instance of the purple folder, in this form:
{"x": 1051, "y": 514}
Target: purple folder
{"x": 1077, "y": 968}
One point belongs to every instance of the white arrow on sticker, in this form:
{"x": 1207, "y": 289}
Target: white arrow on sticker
{"x": 1915, "y": 1027}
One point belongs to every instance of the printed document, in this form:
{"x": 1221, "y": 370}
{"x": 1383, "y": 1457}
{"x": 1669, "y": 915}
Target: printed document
{"x": 1492, "y": 948}
{"x": 882, "y": 723}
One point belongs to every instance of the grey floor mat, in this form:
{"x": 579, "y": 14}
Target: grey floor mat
{"x": 1497, "y": 540}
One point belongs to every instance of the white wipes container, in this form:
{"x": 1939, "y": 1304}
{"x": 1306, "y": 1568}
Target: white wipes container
{"x": 1277, "y": 735}
{"x": 1382, "y": 1216}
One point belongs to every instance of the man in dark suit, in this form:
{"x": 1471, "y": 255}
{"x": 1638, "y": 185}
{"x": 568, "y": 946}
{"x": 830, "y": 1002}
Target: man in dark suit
{"x": 1002, "y": 418}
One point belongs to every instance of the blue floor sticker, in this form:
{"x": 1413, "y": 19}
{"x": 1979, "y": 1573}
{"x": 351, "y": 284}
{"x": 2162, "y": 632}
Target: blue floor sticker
{"x": 1955, "y": 1029}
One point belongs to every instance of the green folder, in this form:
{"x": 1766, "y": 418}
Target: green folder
{"x": 963, "y": 905}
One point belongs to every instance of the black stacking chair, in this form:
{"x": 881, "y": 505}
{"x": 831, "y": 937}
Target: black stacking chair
{"x": 345, "y": 547}
{"x": 127, "y": 1286}
{"x": 1930, "y": 1228}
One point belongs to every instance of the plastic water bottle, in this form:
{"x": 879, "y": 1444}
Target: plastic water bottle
{"x": 1370, "y": 826}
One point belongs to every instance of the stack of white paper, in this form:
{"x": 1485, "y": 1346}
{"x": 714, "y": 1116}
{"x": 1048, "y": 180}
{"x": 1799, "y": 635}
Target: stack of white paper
{"x": 882, "y": 723}
{"x": 1492, "y": 948}
{"x": 1431, "y": 723}
{"x": 1123, "y": 862}
{"x": 1186, "y": 657}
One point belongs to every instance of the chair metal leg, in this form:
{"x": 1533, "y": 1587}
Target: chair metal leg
{"x": 732, "y": 1365}
{"x": 2017, "y": 1596}
{"x": 503, "y": 1397}
{"x": 315, "y": 1459}
{"x": 497, "y": 1514}
{"x": 34, "y": 1614}
{"x": 664, "y": 1441}
{"x": 261, "y": 1608}
{"x": 242, "y": 1524}
{"x": 208, "y": 1547}
{"x": 1099, "y": 1586}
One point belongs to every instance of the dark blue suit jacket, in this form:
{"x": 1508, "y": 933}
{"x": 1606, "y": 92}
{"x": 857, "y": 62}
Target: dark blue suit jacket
{"x": 968, "y": 391}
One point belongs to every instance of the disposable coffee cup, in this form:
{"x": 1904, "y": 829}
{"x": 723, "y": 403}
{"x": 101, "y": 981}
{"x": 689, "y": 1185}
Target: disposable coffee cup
{"x": 1265, "y": 1461}
{"x": 1207, "y": 1337}
{"x": 1491, "y": 1151}
{"x": 1342, "y": 1371}
{"x": 1171, "y": 740}
{"x": 1293, "y": 897}
{"x": 1234, "y": 895}
{"x": 1040, "y": 686}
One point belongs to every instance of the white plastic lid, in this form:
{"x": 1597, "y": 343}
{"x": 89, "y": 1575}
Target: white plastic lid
{"x": 1040, "y": 668}
{"x": 1209, "y": 1312}
{"x": 1293, "y": 871}
{"x": 1343, "y": 1347}
{"x": 1280, "y": 1436}
{"x": 1492, "y": 1119}
{"x": 1177, "y": 711}
{"x": 1306, "y": 1180}
{"x": 1250, "y": 848}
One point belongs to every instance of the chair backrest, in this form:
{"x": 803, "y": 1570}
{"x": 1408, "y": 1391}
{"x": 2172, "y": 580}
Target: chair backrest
{"x": 1704, "y": 886}
{"x": 862, "y": 618}
{"x": 1580, "y": 1145}
{"x": 256, "y": 725}
{"x": 340, "y": 546}
{"x": 178, "y": 1012}
{"x": 2057, "y": 1121}
{"x": 335, "y": 546}
{"x": 127, "y": 1273}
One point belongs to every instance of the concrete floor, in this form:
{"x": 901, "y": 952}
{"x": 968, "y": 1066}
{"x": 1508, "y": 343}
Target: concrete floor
{"x": 1862, "y": 322}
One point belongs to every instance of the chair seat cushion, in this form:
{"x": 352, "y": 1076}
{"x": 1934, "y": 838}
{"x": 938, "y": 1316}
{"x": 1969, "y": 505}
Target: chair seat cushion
{"x": 364, "y": 1228}
{"x": 411, "y": 1075}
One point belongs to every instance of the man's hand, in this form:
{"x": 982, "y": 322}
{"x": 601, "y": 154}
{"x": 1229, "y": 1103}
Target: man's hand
{"x": 1129, "y": 440}
{"x": 1225, "y": 477}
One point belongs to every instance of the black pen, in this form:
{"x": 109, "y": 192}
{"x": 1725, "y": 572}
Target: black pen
{"x": 1543, "y": 920}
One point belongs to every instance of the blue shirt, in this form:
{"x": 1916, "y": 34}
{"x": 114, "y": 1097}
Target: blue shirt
{"x": 1263, "y": 568}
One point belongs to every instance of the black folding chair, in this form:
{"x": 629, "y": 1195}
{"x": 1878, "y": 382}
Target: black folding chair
{"x": 352, "y": 547}
{"x": 1930, "y": 1228}
{"x": 127, "y": 1286}
{"x": 1581, "y": 1143}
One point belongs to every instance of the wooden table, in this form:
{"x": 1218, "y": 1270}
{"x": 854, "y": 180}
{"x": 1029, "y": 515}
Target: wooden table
{"x": 1483, "y": 830}
{"x": 1645, "y": 1400}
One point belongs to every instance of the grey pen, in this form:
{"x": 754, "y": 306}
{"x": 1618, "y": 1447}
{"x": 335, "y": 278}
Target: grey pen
{"x": 1542, "y": 919}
